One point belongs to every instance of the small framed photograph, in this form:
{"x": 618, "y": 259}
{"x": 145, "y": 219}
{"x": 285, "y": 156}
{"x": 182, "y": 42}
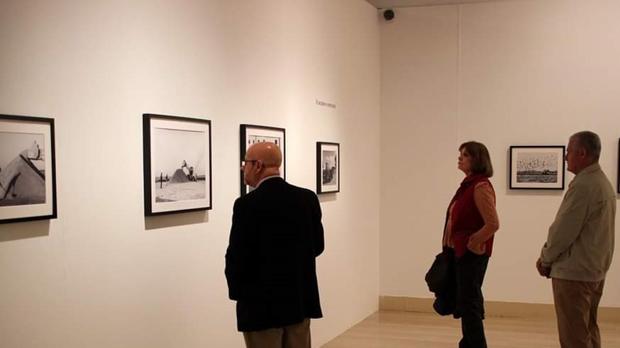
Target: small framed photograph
{"x": 327, "y": 167}
{"x": 27, "y": 169}
{"x": 177, "y": 164}
{"x": 252, "y": 134}
{"x": 537, "y": 167}
{"x": 618, "y": 166}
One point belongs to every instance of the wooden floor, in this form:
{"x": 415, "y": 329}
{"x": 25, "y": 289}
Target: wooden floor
{"x": 388, "y": 329}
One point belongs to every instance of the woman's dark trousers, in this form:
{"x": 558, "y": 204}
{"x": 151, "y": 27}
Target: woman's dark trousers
{"x": 470, "y": 270}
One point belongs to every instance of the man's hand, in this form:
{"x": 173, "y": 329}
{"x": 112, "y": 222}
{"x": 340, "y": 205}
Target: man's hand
{"x": 543, "y": 270}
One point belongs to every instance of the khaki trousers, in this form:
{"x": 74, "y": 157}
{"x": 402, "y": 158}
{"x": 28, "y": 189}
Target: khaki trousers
{"x": 576, "y": 305}
{"x": 292, "y": 336}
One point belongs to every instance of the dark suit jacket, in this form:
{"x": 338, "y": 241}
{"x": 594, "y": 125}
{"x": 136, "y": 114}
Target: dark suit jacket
{"x": 275, "y": 237}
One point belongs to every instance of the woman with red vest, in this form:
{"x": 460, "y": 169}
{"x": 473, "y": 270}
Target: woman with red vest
{"x": 471, "y": 223}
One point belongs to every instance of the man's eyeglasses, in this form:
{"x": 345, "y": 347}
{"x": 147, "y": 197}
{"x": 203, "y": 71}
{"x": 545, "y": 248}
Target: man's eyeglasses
{"x": 243, "y": 163}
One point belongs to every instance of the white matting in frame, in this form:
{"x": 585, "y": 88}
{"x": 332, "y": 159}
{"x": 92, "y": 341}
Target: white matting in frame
{"x": 177, "y": 164}
{"x": 537, "y": 167}
{"x": 27, "y": 169}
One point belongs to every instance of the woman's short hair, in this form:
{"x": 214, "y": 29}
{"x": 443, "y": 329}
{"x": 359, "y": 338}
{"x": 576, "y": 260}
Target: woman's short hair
{"x": 480, "y": 158}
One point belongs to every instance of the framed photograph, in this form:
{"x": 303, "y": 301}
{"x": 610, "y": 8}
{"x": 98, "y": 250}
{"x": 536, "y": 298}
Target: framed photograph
{"x": 327, "y": 167}
{"x": 618, "y": 166}
{"x": 252, "y": 134}
{"x": 537, "y": 167}
{"x": 177, "y": 164}
{"x": 27, "y": 169}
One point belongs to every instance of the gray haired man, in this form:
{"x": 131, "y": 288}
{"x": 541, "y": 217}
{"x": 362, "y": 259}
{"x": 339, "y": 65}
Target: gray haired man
{"x": 580, "y": 244}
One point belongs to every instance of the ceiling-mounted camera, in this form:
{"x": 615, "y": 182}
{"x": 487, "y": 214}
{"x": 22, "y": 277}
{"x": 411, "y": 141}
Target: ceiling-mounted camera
{"x": 388, "y": 14}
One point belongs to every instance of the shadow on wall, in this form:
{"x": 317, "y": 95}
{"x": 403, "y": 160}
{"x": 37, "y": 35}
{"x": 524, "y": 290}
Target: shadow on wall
{"x": 24, "y": 230}
{"x": 327, "y": 197}
{"x": 173, "y": 220}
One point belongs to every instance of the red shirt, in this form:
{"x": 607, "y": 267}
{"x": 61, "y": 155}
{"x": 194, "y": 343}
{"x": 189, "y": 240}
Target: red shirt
{"x": 472, "y": 210}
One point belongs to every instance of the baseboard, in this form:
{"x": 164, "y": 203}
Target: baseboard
{"x": 492, "y": 308}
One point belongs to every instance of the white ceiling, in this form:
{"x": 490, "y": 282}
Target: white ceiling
{"x": 412, "y": 3}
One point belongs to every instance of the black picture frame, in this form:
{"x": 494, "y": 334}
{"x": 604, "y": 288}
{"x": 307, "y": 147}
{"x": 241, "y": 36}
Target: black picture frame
{"x": 327, "y": 167}
{"x": 27, "y": 169}
{"x": 618, "y": 173}
{"x": 169, "y": 143}
{"x": 537, "y": 167}
{"x": 250, "y": 134}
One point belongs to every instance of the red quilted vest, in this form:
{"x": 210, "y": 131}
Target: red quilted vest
{"x": 466, "y": 218}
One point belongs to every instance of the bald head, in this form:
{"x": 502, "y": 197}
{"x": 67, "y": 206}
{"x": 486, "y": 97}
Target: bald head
{"x": 262, "y": 160}
{"x": 268, "y": 153}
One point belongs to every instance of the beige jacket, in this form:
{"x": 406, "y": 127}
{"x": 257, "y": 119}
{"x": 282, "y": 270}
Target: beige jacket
{"x": 580, "y": 244}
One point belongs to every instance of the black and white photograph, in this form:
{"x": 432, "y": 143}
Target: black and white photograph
{"x": 27, "y": 169}
{"x": 327, "y": 167}
{"x": 253, "y": 139}
{"x": 253, "y": 134}
{"x": 177, "y": 164}
{"x": 537, "y": 167}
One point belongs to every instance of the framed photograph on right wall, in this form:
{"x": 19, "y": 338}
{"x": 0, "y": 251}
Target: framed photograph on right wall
{"x": 537, "y": 167}
{"x": 618, "y": 180}
{"x": 327, "y": 167}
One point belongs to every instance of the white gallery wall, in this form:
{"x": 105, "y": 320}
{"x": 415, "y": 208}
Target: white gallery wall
{"x": 503, "y": 73}
{"x": 102, "y": 275}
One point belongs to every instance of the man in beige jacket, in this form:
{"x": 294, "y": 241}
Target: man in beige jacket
{"x": 580, "y": 244}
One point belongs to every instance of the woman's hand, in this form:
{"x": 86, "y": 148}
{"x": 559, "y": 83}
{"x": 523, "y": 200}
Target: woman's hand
{"x": 476, "y": 245}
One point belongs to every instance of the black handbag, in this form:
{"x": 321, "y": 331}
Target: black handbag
{"x": 441, "y": 280}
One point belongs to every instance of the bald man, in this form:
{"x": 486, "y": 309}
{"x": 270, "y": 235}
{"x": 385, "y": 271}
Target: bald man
{"x": 275, "y": 238}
